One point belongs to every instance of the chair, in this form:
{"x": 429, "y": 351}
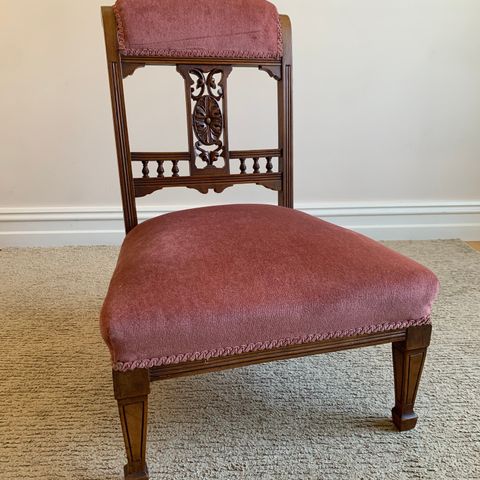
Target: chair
{"x": 222, "y": 287}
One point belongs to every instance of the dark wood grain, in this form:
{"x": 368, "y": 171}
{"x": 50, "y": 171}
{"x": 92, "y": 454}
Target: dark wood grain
{"x": 285, "y": 117}
{"x": 145, "y": 186}
{"x": 119, "y": 119}
{"x": 131, "y": 392}
{"x": 408, "y": 360}
{"x": 263, "y": 153}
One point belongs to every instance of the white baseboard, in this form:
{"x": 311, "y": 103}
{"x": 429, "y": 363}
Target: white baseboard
{"x": 56, "y": 226}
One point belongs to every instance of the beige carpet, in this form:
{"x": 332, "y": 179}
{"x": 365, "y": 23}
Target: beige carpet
{"x": 325, "y": 417}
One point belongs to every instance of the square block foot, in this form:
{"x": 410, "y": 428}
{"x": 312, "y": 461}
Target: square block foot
{"x": 404, "y": 422}
{"x": 141, "y": 475}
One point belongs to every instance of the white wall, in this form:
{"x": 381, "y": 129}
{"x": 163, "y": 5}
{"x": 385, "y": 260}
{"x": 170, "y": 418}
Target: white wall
{"x": 387, "y": 120}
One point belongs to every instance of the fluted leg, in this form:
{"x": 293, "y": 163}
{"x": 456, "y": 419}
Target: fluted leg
{"x": 131, "y": 391}
{"x": 408, "y": 359}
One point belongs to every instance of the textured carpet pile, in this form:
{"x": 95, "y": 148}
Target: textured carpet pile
{"x": 324, "y": 417}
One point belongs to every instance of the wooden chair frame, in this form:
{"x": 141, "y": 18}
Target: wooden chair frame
{"x": 132, "y": 388}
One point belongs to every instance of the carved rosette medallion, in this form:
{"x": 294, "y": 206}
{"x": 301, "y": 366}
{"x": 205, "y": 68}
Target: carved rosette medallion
{"x": 207, "y": 120}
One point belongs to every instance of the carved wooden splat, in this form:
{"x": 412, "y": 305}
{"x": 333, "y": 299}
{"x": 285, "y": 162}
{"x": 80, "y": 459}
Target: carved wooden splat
{"x": 206, "y": 100}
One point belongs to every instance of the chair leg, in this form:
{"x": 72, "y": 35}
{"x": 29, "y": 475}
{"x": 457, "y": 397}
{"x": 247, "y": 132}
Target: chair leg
{"x": 131, "y": 392}
{"x": 408, "y": 359}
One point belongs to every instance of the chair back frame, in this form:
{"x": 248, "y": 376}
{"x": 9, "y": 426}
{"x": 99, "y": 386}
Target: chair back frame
{"x": 207, "y": 144}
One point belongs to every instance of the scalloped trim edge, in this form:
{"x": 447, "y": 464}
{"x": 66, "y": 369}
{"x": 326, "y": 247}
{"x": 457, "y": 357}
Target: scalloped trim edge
{"x": 262, "y": 346}
{"x": 233, "y": 54}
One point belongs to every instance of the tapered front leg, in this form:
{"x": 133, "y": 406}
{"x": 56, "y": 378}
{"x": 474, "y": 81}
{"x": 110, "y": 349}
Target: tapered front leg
{"x": 408, "y": 359}
{"x": 131, "y": 391}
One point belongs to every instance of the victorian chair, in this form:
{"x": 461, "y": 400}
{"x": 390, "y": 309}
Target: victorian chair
{"x": 222, "y": 287}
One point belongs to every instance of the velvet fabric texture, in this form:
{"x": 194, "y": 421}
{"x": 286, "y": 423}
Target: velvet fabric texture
{"x": 231, "y": 279}
{"x": 199, "y": 28}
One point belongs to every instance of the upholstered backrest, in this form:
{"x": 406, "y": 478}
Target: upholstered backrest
{"x": 199, "y": 28}
{"x": 205, "y": 40}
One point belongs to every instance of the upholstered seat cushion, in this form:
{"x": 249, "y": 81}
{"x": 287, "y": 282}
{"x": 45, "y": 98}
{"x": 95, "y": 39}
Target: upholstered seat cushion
{"x": 199, "y": 28}
{"x": 222, "y": 280}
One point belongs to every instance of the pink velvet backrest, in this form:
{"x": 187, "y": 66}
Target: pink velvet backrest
{"x": 199, "y": 28}
{"x": 205, "y": 40}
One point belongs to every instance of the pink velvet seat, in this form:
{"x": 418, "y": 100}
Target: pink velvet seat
{"x": 217, "y": 281}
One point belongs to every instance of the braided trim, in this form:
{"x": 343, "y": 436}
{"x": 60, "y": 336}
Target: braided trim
{"x": 195, "y": 53}
{"x": 120, "y": 27}
{"x": 279, "y": 39}
{"x": 261, "y": 346}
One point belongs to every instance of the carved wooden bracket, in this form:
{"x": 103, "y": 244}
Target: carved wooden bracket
{"x": 275, "y": 71}
{"x": 130, "y": 68}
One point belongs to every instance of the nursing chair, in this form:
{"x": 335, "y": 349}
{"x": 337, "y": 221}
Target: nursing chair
{"x": 221, "y": 287}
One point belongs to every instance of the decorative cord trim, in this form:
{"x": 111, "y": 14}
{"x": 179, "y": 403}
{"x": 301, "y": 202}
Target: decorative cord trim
{"x": 269, "y": 345}
{"x": 120, "y": 27}
{"x": 279, "y": 39}
{"x": 154, "y": 52}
